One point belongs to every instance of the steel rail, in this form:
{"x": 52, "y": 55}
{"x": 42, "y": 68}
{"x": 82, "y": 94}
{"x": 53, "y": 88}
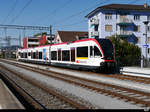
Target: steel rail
{"x": 43, "y": 87}
{"x": 22, "y": 92}
{"x": 125, "y": 97}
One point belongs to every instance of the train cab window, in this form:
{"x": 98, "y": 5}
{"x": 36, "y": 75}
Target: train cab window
{"x": 82, "y": 51}
{"x": 40, "y": 55}
{"x": 65, "y": 55}
{"x": 54, "y": 55}
{"x": 97, "y": 52}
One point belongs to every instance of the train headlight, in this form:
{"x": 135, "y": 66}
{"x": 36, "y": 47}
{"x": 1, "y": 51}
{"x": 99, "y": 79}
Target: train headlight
{"x": 102, "y": 63}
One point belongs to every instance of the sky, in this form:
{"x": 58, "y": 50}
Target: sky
{"x": 66, "y": 15}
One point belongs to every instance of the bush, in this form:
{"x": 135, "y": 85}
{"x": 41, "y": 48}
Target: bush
{"x": 126, "y": 54}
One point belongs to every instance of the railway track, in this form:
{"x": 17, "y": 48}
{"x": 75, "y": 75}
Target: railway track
{"x": 139, "y": 79}
{"x": 72, "y": 104}
{"x": 126, "y": 94}
{"x": 26, "y": 99}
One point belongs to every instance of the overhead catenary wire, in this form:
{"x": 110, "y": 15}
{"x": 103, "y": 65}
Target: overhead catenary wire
{"x": 11, "y": 11}
{"x": 76, "y": 23}
{"x": 54, "y": 11}
{"x": 60, "y": 22}
{"x": 21, "y": 11}
{"x": 78, "y": 13}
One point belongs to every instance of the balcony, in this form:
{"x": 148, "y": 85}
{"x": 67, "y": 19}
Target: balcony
{"x": 33, "y": 43}
{"x": 94, "y": 33}
{"x": 124, "y": 33}
{"x": 94, "y": 22}
{"x": 124, "y": 21}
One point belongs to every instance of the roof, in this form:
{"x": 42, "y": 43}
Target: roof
{"x": 67, "y": 36}
{"x": 120, "y": 7}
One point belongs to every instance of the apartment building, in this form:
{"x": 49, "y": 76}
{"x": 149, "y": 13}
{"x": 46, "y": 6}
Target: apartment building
{"x": 125, "y": 20}
{"x": 38, "y": 40}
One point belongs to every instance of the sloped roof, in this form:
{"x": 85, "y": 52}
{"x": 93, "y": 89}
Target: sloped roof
{"x": 120, "y": 7}
{"x": 67, "y": 36}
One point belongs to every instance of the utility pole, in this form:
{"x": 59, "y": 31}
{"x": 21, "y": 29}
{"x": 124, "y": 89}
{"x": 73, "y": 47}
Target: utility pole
{"x": 146, "y": 26}
{"x": 19, "y": 39}
{"x": 50, "y": 34}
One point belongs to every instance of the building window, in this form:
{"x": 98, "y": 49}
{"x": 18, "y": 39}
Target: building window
{"x": 148, "y": 28}
{"x": 108, "y": 28}
{"x": 96, "y": 28}
{"x": 136, "y": 17}
{"x": 139, "y": 40}
{"x": 108, "y": 16}
{"x": 148, "y": 40}
{"x": 148, "y": 51}
{"x": 137, "y": 28}
{"x": 148, "y": 17}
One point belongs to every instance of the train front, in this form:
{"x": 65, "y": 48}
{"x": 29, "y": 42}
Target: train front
{"x": 107, "y": 49}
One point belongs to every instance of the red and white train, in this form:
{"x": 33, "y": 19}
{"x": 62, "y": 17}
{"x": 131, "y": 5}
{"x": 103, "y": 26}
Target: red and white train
{"x": 93, "y": 54}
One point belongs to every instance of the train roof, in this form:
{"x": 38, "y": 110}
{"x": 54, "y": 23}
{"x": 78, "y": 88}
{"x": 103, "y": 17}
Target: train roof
{"x": 89, "y": 39}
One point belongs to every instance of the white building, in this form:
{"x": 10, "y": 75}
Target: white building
{"x": 121, "y": 19}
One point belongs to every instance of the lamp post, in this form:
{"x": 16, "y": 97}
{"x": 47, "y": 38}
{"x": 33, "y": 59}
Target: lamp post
{"x": 146, "y": 26}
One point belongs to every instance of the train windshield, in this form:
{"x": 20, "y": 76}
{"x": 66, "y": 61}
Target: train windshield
{"x": 106, "y": 46}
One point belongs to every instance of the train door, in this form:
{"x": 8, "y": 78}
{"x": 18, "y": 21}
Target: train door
{"x": 59, "y": 54}
{"x": 37, "y": 54}
{"x": 50, "y": 55}
{"x": 72, "y": 54}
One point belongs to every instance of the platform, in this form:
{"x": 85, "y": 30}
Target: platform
{"x": 7, "y": 99}
{"x": 136, "y": 71}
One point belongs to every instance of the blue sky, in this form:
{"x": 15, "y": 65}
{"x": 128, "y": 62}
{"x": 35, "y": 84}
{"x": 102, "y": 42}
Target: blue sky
{"x": 61, "y": 14}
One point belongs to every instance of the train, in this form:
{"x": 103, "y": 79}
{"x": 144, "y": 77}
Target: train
{"x": 92, "y": 54}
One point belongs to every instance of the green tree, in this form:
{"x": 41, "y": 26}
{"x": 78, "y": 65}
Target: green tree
{"x": 126, "y": 54}
{"x": 46, "y": 42}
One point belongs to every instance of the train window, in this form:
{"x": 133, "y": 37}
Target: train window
{"x": 54, "y": 55}
{"x": 66, "y": 55}
{"x": 29, "y": 54}
{"x": 97, "y": 51}
{"x": 40, "y": 55}
{"x": 34, "y": 55}
{"x": 82, "y": 51}
{"x": 21, "y": 55}
{"x": 37, "y": 55}
{"x": 26, "y": 55}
